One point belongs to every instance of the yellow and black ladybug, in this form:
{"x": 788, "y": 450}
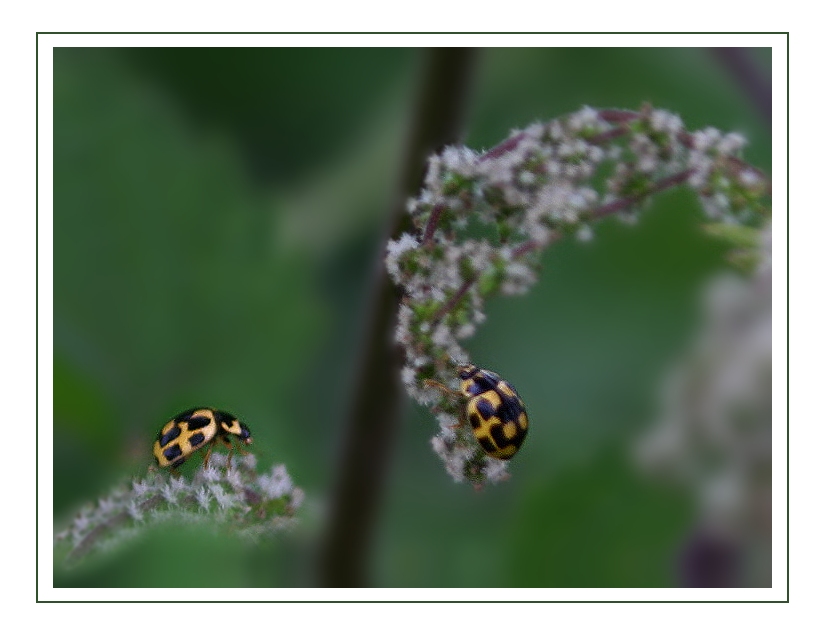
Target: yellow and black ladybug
{"x": 493, "y": 409}
{"x": 192, "y": 430}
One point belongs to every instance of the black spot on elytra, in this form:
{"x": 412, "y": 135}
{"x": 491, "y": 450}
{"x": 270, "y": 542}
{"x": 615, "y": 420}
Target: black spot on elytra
{"x": 224, "y": 417}
{"x": 487, "y": 379}
{"x": 485, "y": 408}
{"x": 196, "y": 439}
{"x": 196, "y": 423}
{"x": 475, "y": 421}
{"x": 474, "y": 389}
{"x": 487, "y": 445}
{"x": 184, "y": 416}
{"x": 173, "y": 434}
{"x": 172, "y": 452}
{"x": 510, "y": 408}
{"x": 497, "y": 432}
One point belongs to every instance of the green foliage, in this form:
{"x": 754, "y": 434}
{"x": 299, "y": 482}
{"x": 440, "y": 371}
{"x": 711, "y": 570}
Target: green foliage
{"x": 177, "y": 284}
{"x": 742, "y": 242}
{"x": 597, "y": 525}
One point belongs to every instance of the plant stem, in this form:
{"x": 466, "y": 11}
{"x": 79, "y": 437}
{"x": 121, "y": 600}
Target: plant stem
{"x": 750, "y": 77}
{"x": 374, "y": 414}
{"x": 450, "y": 304}
{"x": 98, "y": 532}
{"x": 658, "y": 186}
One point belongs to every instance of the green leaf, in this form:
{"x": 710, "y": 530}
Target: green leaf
{"x": 735, "y": 235}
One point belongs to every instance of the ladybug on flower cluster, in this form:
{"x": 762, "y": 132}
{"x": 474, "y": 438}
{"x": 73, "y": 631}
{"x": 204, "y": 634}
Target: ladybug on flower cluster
{"x": 493, "y": 409}
{"x": 194, "y": 429}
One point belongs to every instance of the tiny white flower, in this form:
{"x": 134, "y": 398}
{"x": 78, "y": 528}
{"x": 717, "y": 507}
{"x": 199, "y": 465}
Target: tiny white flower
{"x": 297, "y": 498}
{"x": 527, "y": 178}
{"x": 573, "y": 171}
{"x": 585, "y": 117}
{"x": 494, "y": 470}
{"x": 249, "y": 461}
{"x": 233, "y": 477}
{"x": 749, "y": 178}
{"x": 464, "y": 331}
{"x": 455, "y": 467}
{"x": 169, "y": 495}
{"x": 203, "y": 497}
{"x": 275, "y": 484}
{"x": 596, "y": 154}
{"x": 106, "y": 505}
{"x": 408, "y": 375}
{"x": 658, "y": 120}
{"x": 211, "y": 473}
{"x": 706, "y": 139}
{"x": 647, "y": 163}
{"x": 225, "y": 499}
{"x": 576, "y": 200}
{"x": 433, "y": 178}
{"x": 442, "y": 336}
{"x": 439, "y": 446}
{"x": 556, "y": 130}
{"x": 721, "y": 200}
{"x": 140, "y": 488}
{"x": 585, "y": 233}
{"x": 535, "y": 130}
{"x": 731, "y": 143}
{"x": 178, "y": 484}
{"x": 566, "y": 149}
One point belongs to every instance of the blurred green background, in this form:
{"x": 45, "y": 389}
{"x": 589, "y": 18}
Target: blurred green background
{"x": 217, "y": 213}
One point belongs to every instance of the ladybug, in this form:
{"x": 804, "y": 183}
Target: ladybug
{"x": 194, "y": 429}
{"x": 493, "y": 409}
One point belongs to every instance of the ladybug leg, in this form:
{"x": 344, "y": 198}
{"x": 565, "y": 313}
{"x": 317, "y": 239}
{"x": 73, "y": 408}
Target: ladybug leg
{"x": 241, "y": 450}
{"x": 208, "y": 454}
{"x": 228, "y": 444}
{"x": 452, "y": 393}
{"x": 439, "y": 386}
{"x": 462, "y": 420}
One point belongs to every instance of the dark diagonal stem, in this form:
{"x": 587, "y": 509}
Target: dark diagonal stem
{"x": 752, "y": 79}
{"x": 374, "y": 413}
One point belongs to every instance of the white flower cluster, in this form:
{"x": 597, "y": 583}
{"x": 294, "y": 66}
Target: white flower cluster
{"x": 714, "y": 435}
{"x": 234, "y": 497}
{"x": 482, "y": 220}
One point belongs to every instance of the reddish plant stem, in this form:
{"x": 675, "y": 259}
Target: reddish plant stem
{"x": 502, "y": 148}
{"x": 608, "y": 135}
{"x": 618, "y": 116}
{"x": 453, "y": 301}
{"x": 531, "y": 245}
{"x": 432, "y": 223}
{"x": 658, "y": 186}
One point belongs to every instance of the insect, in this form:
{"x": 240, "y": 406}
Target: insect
{"x": 193, "y": 429}
{"x": 494, "y": 410}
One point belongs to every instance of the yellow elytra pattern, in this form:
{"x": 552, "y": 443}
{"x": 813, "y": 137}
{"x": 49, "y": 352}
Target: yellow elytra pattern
{"x": 494, "y": 410}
